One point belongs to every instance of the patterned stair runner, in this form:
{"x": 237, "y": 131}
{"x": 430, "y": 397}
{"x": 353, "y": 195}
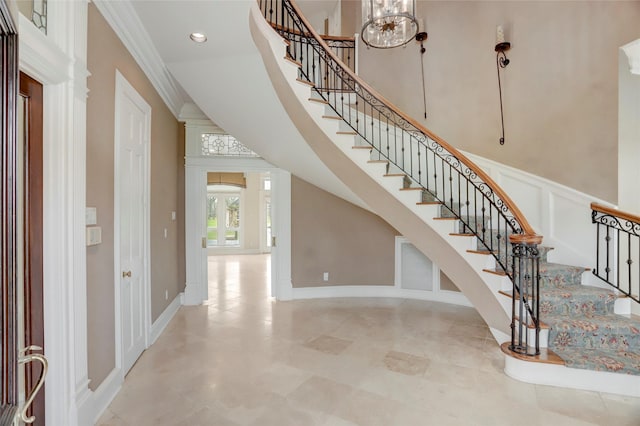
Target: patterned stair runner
{"x": 583, "y": 328}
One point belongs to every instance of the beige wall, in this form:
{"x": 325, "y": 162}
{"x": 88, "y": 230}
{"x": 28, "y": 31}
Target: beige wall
{"x": 106, "y": 54}
{"x": 331, "y": 235}
{"x": 560, "y": 90}
{"x": 351, "y": 17}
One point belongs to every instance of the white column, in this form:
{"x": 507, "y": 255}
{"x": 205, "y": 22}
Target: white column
{"x": 281, "y": 284}
{"x": 196, "y": 290}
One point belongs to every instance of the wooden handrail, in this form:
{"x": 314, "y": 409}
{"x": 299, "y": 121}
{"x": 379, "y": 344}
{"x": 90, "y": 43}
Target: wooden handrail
{"x": 614, "y": 212}
{"x": 517, "y": 214}
{"x": 278, "y": 27}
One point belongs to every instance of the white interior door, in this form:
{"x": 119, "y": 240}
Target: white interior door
{"x": 133, "y": 116}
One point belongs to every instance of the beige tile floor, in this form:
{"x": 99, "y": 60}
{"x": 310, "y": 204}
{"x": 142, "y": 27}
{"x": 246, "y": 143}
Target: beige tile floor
{"x": 245, "y": 359}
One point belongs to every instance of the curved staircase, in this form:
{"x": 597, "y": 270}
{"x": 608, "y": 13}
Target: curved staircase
{"x": 456, "y": 216}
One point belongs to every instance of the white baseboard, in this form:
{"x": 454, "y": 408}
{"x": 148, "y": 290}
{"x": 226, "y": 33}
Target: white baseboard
{"x": 103, "y": 396}
{"x": 109, "y": 388}
{"x": 165, "y": 317}
{"x": 450, "y": 297}
{"x": 574, "y": 378}
{"x": 84, "y": 403}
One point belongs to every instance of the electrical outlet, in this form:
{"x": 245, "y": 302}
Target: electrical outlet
{"x": 166, "y": 295}
{"x": 325, "y": 276}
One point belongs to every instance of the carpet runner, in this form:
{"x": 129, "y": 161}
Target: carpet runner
{"x": 583, "y": 328}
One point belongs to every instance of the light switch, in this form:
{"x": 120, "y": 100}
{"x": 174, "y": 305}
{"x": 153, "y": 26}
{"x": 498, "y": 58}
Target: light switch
{"x": 94, "y": 235}
{"x": 173, "y": 215}
{"x": 91, "y": 216}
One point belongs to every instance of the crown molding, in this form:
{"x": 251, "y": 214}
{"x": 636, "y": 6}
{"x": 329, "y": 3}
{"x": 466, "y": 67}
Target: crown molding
{"x": 632, "y": 50}
{"x": 124, "y": 21}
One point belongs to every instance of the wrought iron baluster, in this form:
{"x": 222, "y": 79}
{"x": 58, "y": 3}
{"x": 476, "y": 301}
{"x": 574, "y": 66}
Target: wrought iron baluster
{"x": 629, "y": 261}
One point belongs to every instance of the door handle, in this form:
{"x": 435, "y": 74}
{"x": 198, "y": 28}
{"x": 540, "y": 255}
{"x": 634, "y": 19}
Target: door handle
{"x": 204, "y": 242}
{"x": 126, "y": 274}
{"x": 26, "y": 359}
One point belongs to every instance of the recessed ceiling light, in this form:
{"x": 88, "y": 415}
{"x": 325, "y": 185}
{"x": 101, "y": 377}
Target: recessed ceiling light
{"x": 198, "y": 37}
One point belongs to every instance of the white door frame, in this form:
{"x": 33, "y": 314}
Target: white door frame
{"x": 58, "y": 61}
{"x": 125, "y": 90}
{"x": 196, "y": 290}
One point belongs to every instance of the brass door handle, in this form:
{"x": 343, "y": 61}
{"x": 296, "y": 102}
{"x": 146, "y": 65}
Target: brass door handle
{"x": 25, "y": 359}
{"x": 126, "y": 274}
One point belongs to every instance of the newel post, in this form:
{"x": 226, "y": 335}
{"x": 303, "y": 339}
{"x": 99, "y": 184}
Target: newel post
{"x": 525, "y": 307}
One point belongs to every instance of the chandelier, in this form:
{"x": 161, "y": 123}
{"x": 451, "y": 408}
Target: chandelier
{"x": 388, "y": 23}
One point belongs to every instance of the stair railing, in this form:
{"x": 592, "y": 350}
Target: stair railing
{"x": 617, "y": 249}
{"x": 443, "y": 172}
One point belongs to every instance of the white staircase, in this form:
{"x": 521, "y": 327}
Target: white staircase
{"x": 385, "y": 190}
{"x": 340, "y": 150}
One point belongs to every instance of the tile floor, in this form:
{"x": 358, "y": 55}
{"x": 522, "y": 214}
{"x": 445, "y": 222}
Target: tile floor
{"x": 244, "y": 359}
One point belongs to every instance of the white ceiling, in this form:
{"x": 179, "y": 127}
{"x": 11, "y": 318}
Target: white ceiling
{"x": 226, "y": 79}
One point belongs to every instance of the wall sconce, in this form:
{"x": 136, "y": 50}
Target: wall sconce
{"x": 501, "y": 62}
{"x": 421, "y": 37}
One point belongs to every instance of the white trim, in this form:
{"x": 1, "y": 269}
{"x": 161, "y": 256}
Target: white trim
{"x": 436, "y": 293}
{"x": 58, "y": 61}
{"x": 196, "y": 167}
{"x": 390, "y": 291}
{"x": 102, "y": 397}
{"x": 124, "y": 88}
{"x": 195, "y": 193}
{"x": 632, "y": 51}
{"x": 165, "y": 318}
{"x": 574, "y": 378}
{"x": 125, "y": 22}
{"x": 281, "y": 283}
{"x": 40, "y": 57}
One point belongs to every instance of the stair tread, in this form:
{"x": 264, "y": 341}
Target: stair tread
{"x": 411, "y": 188}
{"x": 547, "y": 356}
{"x": 321, "y": 101}
{"x": 378, "y": 161}
{"x": 552, "y": 267}
{"x": 394, "y": 175}
{"x": 500, "y": 272}
{"x": 308, "y": 83}
{"x": 609, "y": 360}
{"x": 482, "y": 252}
{"x": 332, "y": 117}
{"x": 594, "y": 323}
{"x": 293, "y": 61}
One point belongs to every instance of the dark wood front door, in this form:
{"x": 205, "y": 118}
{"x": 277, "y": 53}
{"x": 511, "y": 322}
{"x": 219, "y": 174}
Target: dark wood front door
{"x": 9, "y": 247}
{"x": 31, "y": 123}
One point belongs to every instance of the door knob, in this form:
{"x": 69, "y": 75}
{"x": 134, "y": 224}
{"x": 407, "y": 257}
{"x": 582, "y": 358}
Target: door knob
{"x": 126, "y": 274}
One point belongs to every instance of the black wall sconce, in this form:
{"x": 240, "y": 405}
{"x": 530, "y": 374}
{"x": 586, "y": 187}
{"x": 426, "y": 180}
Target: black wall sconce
{"x": 501, "y": 62}
{"x": 421, "y": 37}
